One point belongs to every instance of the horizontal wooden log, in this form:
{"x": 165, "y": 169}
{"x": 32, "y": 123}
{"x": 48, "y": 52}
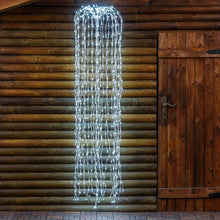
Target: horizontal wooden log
{"x": 70, "y": 59}
{"x": 70, "y": 142}
{"x": 203, "y": 25}
{"x": 68, "y": 76}
{"x": 69, "y": 134}
{"x": 186, "y": 53}
{"x": 70, "y": 176}
{"x": 70, "y": 67}
{"x": 66, "y": 88}
{"x": 126, "y": 17}
{"x": 71, "y": 117}
{"x": 83, "y": 2}
{"x": 126, "y": 51}
{"x": 70, "y": 101}
{"x": 142, "y": 84}
{"x": 133, "y": 207}
{"x": 70, "y": 168}
{"x": 150, "y": 9}
{"x": 70, "y": 200}
{"x": 67, "y": 34}
{"x": 65, "y": 126}
{"x": 70, "y": 93}
{"x": 187, "y": 193}
{"x": 159, "y": 17}
{"x": 194, "y": 25}
{"x": 70, "y": 184}
{"x": 70, "y": 151}
{"x": 128, "y": 2}
{"x": 70, "y": 192}
{"x": 69, "y": 110}
{"x": 69, "y": 42}
{"x": 70, "y": 159}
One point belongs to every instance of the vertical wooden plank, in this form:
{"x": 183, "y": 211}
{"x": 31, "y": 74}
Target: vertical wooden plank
{"x": 162, "y": 40}
{"x": 181, "y": 131}
{"x": 171, "y": 122}
{"x": 209, "y": 40}
{"x": 216, "y": 37}
{"x": 181, "y": 117}
{"x": 216, "y": 148}
{"x": 195, "y": 40}
{"x": 162, "y": 131}
{"x": 208, "y": 126}
{"x": 190, "y": 129}
{"x": 162, "y": 124}
{"x": 209, "y": 113}
{"x": 199, "y": 129}
{"x": 172, "y": 40}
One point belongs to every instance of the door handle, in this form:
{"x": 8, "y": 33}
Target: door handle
{"x": 165, "y": 104}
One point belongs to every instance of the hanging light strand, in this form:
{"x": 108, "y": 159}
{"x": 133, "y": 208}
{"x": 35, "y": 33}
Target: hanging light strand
{"x": 98, "y": 89}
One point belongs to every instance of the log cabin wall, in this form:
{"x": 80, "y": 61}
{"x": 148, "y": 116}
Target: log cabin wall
{"x": 37, "y": 100}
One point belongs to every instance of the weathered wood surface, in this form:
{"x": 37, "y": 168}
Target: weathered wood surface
{"x": 70, "y": 68}
{"x": 138, "y": 26}
{"x": 69, "y": 134}
{"x": 186, "y": 53}
{"x": 68, "y": 151}
{"x": 188, "y": 139}
{"x": 132, "y": 2}
{"x": 70, "y": 168}
{"x": 126, "y": 18}
{"x": 187, "y": 193}
{"x": 68, "y": 160}
{"x": 41, "y": 101}
{"x": 68, "y": 176}
{"x": 70, "y": 59}
{"x": 65, "y": 126}
{"x": 138, "y": 9}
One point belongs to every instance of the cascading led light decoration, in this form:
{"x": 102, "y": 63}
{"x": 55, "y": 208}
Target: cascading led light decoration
{"x": 98, "y": 89}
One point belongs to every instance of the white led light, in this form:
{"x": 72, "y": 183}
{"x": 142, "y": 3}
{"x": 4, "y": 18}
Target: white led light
{"x": 98, "y": 89}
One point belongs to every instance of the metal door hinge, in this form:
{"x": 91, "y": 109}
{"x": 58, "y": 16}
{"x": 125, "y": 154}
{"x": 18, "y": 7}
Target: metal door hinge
{"x": 214, "y": 195}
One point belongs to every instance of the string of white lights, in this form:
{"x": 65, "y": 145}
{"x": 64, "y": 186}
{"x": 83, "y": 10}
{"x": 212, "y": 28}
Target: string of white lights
{"x": 98, "y": 89}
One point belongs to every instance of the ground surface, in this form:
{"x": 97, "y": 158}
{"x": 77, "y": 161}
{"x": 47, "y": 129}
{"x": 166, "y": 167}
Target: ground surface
{"x": 110, "y": 215}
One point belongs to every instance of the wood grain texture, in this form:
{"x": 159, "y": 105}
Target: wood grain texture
{"x": 138, "y": 9}
{"x": 183, "y": 193}
{"x": 6, "y": 5}
{"x": 192, "y": 153}
{"x": 162, "y": 129}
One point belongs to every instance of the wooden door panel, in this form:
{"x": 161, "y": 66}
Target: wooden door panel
{"x": 189, "y": 139}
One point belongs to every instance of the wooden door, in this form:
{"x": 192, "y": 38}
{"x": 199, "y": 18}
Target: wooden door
{"x": 189, "y": 133}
